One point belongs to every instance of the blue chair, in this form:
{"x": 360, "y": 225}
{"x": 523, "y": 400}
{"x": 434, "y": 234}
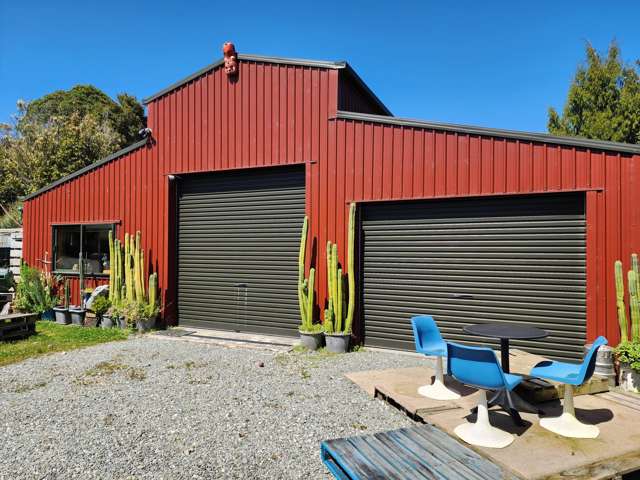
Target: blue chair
{"x": 429, "y": 342}
{"x": 571, "y": 374}
{"x": 479, "y": 367}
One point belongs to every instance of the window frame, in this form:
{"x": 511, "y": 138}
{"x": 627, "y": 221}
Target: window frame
{"x": 111, "y": 225}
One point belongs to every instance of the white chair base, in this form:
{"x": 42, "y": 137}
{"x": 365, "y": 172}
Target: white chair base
{"x": 567, "y": 424}
{"x": 482, "y": 433}
{"x": 438, "y": 390}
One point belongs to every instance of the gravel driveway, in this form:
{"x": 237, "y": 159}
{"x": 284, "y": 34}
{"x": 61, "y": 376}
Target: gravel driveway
{"x": 165, "y": 409}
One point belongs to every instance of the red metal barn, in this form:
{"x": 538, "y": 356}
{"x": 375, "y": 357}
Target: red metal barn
{"x": 466, "y": 223}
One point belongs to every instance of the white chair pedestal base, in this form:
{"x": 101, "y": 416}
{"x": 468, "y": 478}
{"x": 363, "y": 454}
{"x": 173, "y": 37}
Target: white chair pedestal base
{"x": 438, "y": 390}
{"x": 567, "y": 424}
{"x": 481, "y": 433}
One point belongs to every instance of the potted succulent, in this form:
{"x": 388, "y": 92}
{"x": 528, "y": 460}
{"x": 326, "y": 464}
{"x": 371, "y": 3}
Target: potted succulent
{"x": 338, "y": 316}
{"x": 34, "y": 293}
{"x": 628, "y": 351}
{"x": 61, "y": 312}
{"x": 100, "y": 307}
{"x": 110, "y": 317}
{"x": 311, "y": 335}
{"x": 628, "y": 355}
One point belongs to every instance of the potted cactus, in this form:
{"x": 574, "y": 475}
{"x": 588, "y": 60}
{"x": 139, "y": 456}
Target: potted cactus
{"x": 61, "y": 312}
{"x": 311, "y": 334}
{"x": 338, "y": 316}
{"x": 127, "y": 292}
{"x": 628, "y": 351}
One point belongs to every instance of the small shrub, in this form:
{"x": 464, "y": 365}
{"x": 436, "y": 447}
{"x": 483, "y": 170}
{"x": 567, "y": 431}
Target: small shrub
{"x": 34, "y": 294}
{"x": 100, "y": 306}
{"x": 629, "y": 352}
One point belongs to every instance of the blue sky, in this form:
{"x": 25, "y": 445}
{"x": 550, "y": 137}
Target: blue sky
{"x": 498, "y": 64}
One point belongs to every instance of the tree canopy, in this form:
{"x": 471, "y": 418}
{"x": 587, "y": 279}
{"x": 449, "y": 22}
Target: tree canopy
{"x": 60, "y": 133}
{"x": 603, "y": 102}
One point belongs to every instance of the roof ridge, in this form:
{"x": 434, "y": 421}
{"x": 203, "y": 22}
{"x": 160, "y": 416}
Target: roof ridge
{"x": 250, "y": 58}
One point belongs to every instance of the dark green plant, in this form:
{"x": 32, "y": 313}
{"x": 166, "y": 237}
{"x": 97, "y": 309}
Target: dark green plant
{"x": 33, "y": 295}
{"x": 629, "y": 352}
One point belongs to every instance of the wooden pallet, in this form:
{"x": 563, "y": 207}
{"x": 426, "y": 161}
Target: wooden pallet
{"x": 421, "y": 452}
{"x": 17, "y": 325}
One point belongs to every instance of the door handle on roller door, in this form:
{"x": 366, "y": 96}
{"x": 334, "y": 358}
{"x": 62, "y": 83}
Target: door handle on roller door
{"x": 462, "y": 295}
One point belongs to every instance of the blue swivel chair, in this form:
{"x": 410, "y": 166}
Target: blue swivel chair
{"x": 429, "y": 342}
{"x": 479, "y": 367}
{"x": 571, "y": 374}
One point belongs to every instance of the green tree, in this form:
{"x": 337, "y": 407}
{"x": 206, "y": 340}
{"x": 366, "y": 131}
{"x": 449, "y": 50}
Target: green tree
{"x": 126, "y": 116}
{"x": 61, "y": 133}
{"x": 603, "y": 101}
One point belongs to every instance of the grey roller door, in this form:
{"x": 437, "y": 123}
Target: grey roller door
{"x": 238, "y": 239}
{"x": 508, "y": 259}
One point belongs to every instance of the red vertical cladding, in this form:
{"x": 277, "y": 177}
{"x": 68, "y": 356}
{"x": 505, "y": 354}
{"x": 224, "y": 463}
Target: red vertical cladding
{"x": 463, "y": 165}
{"x": 451, "y": 164}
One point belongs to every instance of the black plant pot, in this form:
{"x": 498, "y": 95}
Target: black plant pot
{"x": 77, "y": 315}
{"x": 48, "y": 315}
{"x": 62, "y": 315}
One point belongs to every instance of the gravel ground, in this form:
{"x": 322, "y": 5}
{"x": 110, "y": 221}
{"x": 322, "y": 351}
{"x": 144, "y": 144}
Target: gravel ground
{"x": 166, "y": 409}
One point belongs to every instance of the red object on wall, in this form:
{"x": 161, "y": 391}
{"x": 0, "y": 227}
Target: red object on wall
{"x": 286, "y": 112}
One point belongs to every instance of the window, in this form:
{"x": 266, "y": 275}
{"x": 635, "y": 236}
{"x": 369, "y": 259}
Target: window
{"x": 5, "y": 257}
{"x": 90, "y": 241}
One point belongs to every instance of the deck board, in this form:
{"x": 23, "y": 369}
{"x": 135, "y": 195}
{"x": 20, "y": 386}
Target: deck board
{"x": 422, "y": 452}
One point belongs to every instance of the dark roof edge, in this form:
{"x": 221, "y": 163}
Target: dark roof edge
{"x": 86, "y": 169}
{"x": 249, "y": 58}
{"x": 496, "y": 132}
{"x": 350, "y": 71}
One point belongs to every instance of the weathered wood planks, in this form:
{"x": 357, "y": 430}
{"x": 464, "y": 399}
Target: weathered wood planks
{"x": 415, "y": 453}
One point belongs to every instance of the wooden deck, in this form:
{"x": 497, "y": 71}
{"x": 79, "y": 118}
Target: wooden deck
{"x": 616, "y": 452}
{"x": 416, "y": 453}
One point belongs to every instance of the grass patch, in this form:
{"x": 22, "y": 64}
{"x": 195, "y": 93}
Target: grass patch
{"x": 51, "y": 337}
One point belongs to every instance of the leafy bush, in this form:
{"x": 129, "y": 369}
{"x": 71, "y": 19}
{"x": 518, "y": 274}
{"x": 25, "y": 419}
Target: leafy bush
{"x": 629, "y": 352}
{"x": 100, "y": 305}
{"x": 33, "y": 294}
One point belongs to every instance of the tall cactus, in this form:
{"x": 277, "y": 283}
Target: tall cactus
{"x": 305, "y": 286}
{"x": 622, "y": 310}
{"x": 153, "y": 289}
{"x": 338, "y": 316}
{"x": 634, "y": 306}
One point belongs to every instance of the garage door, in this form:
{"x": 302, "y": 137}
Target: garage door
{"x": 238, "y": 239}
{"x": 509, "y": 259}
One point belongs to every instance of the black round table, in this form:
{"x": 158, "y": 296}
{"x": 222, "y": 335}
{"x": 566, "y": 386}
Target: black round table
{"x": 510, "y": 401}
{"x": 505, "y": 332}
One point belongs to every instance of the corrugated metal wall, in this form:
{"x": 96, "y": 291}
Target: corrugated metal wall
{"x": 281, "y": 115}
{"x": 376, "y": 162}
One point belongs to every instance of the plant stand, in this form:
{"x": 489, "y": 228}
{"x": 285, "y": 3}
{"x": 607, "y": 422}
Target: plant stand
{"x": 482, "y": 433}
{"x": 567, "y": 424}
{"x": 438, "y": 390}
